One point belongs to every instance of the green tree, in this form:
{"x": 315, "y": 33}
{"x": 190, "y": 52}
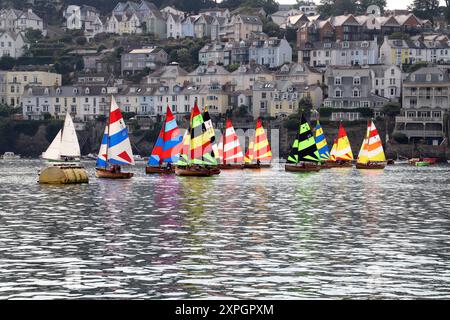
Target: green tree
{"x": 233, "y": 67}
{"x": 391, "y": 109}
{"x": 426, "y": 9}
{"x": 33, "y": 35}
{"x": 81, "y": 41}
{"x": 7, "y": 63}
{"x": 337, "y": 7}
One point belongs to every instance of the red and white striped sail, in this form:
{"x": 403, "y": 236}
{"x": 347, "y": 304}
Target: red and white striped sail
{"x": 232, "y": 151}
{"x": 220, "y": 147}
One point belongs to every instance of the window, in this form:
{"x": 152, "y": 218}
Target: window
{"x": 355, "y": 92}
{"x": 337, "y": 80}
{"x": 392, "y": 72}
{"x": 338, "y": 93}
{"x": 74, "y": 100}
{"x": 356, "y": 80}
{"x": 263, "y": 95}
{"x": 86, "y": 99}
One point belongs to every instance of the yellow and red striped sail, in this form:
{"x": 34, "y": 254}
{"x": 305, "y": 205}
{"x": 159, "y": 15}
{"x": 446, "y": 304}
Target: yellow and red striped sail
{"x": 341, "y": 148}
{"x": 249, "y": 154}
{"x": 259, "y": 148}
{"x": 372, "y": 148}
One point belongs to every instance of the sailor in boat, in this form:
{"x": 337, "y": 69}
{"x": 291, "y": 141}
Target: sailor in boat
{"x": 258, "y": 162}
{"x": 115, "y": 169}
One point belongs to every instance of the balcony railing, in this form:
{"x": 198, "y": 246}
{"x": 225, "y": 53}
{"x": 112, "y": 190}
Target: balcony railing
{"x": 422, "y": 133}
{"x": 419, "y": 119}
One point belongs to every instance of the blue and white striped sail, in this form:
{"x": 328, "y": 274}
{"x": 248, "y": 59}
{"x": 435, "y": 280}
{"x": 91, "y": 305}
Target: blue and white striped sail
{"x": 101, "y": 158}
{"x": 117, "y": 148}
{"x": 321, "y": 143}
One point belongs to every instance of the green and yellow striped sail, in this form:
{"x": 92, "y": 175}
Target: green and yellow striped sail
{"x": 304, "y": 147}
{"x": 197, "y": 147}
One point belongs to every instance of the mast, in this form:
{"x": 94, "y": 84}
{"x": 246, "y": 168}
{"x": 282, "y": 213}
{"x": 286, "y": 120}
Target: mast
{"x": 107, "y": 137}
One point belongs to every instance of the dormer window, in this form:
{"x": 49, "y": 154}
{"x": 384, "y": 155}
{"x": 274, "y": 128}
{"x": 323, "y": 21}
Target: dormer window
{"x": 103, "y": 90}
{"x": 75, "y": 91}
{"x": 365, "y": 44}
{"x": 337, "y": 81}
{"x": 86, "y": 91}
{"x": 428, "y": 77}
{"x": 345, "y": 44}
{"x": 356, "y": 81}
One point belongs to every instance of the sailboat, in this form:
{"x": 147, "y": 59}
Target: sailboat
{"x": 197, "y": 157}
{"x": 230, "y": 152}
{"x": 167, "y": 147}
{"x": 258, "y": 149}
{"x": 371, "y": 155}
{"x": 115, "y": 149}
{"x": 341, "y": 154}
{"x": 65, "y": 146}
{"x": 64, "y": 151}
{"x": 322, "y": 146}
{"x": 304, "y": 156}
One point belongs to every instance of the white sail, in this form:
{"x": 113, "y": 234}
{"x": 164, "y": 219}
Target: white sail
{"x": 69, "y": 141}
{"x": 53, "y": 151}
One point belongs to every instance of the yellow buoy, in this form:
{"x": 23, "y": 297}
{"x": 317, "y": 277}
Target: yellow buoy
{"x": 63, "y": 175}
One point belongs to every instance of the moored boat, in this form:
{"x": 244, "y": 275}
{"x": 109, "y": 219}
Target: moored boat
{"x": 304, "y": 156}
{"x": 115, "y": 149}
{"x": 197, "y": 158}
{"x": 322, "y": 146}
{"x": 258, "y": 153}
{"x": 112, "y": 174}
{"x": 10, "y": 156}
{"x": 64, "y": 151}
{"x": 422, "y": 163}
{"x": 371, "y": 154}
{"x": 167, "y": 147}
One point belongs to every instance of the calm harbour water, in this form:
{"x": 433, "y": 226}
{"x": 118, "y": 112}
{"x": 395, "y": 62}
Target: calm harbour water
{"x": 339, "y": 233}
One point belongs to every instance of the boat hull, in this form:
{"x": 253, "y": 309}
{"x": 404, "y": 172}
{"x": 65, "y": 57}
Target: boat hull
{"x": 107, "y": 174}
{"x": 196, "y": 172}
{"x": 63, "y": 174}
{"x": 306, "y": 167}
{"x": 332, "y": 164}
{"x": 422, "y": 164}
{"x": 230, "y": 166}
{"x": 257, "y": 166}
{"x": 159, "y": 170}
{"x": 376, "y": 166}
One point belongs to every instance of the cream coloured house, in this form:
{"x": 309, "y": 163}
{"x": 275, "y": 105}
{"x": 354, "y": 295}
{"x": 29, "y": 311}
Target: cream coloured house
{"x": 12, "y": 84}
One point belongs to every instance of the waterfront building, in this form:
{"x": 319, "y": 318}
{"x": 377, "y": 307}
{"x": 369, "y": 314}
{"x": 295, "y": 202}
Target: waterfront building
{"x": 245, "y": 76}
{"x": 349, "y": 89}
{"x": 425, "y": 104}
{"x": 13, "y": 83}
{"x": 12, "y": 44}
{"x": 174, "y": 26}
{"x": 240, "y": 27}
{"x": 206, "y": 75}
{"x": 272, "y": 52}
{"x": 19, "y": 21}
{"x": 322, "y": 54}
{"x": 144, "y": 58}
{"x": 215, "y": 53}
{"x": 281, "y": 98}
{"x": 82, "y": 102}
{"x": 299, "y": 73}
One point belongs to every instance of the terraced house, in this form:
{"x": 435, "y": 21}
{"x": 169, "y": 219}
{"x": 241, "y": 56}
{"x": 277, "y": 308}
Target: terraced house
{"x": 426, "y": 102}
